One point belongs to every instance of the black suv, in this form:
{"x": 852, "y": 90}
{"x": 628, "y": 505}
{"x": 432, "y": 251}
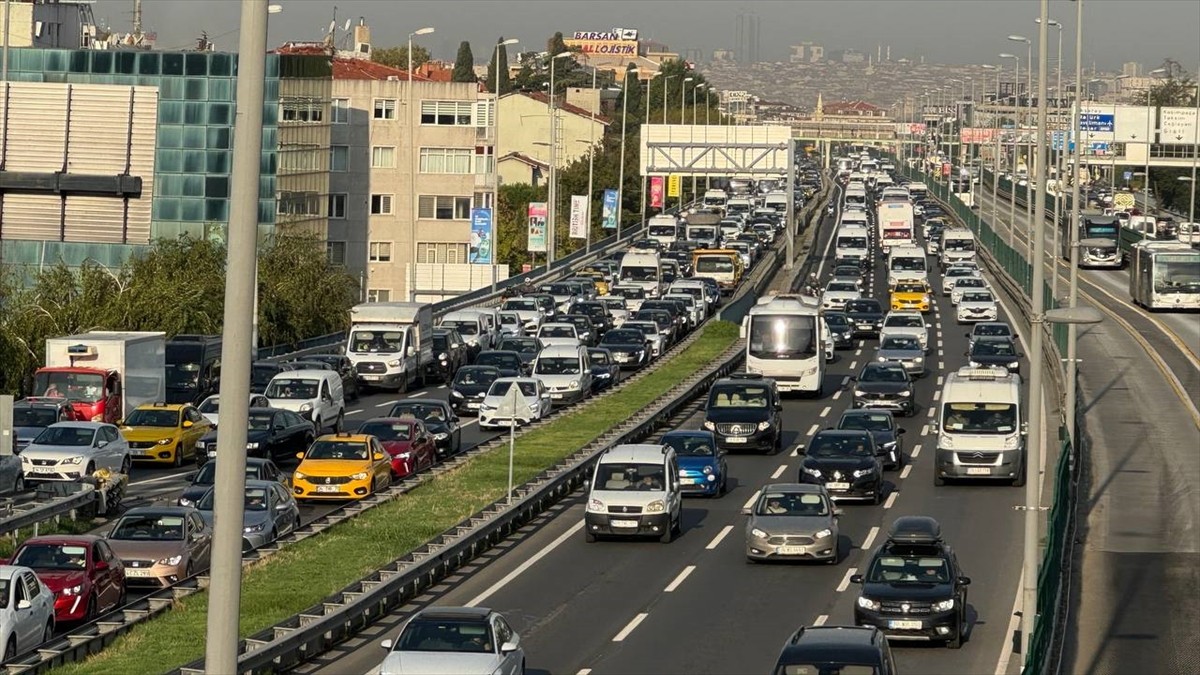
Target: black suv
{"x": 836, "y": 649}
{"x": 866, "y": 316}
{"x": 913, "y": 588}
{"x": 846, "y": 462}
{"x": 885, "y": 385}
{"x": 997, "y": 350}
{"x": 883, "y": 428}
{"x": 743, "y": 413}
{"x": 470, "y": 386}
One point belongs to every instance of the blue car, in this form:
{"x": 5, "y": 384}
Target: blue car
{"x": 702, "y": 467}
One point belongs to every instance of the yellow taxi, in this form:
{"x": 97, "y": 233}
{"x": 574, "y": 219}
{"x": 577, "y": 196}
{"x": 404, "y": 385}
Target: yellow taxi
{"x": 912, "y": 295}
{"x": 342, "y": 466}
{"x": 596, "y": 278}
{"x": 164, "y": 433}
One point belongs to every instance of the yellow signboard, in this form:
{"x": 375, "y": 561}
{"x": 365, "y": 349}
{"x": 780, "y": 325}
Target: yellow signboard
{"x": 674, "y": 183}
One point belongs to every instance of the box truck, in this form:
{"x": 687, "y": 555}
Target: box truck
{"x": 390, "y": 343}
{"x": 105, "y": 375}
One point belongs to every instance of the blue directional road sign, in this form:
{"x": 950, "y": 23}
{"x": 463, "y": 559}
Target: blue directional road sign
{"x": 1097, "y": 122}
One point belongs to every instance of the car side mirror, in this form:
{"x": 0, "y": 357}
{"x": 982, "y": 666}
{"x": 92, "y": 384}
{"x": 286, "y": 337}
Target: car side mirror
{"x": 188, "y": 424}
{"x": 121, "y": 422}
{"x": 778, "y": 406}
{"x": 299, "y": 455}
{"x": 856, "y": 578}
{"x": 1020, "y": 355}
{"x": 378, "y": 456}
{"x": 411, "y": 351}
{"x": 964, "y": 581}
{"x": 386, "y": 644}
{"x": 853, "y": 378}
{"x": 23, "y": 604}
{"x": 800, "y": 449}
{"x": 837, "y": 512}
{"x": 101, "y": 565}
{"x": 281, "y": 506}
{"x": 967, "y": 335}
{"x": 746, "y": 511}
{"x": 508, "y": 647}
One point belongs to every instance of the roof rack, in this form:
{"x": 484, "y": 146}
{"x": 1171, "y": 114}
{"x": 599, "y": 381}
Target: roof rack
{"x": 983, "y": 373}
{"x": 915, "y": 530}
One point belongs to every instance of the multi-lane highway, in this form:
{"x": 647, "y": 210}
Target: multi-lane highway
{"x": 695, "y": 605}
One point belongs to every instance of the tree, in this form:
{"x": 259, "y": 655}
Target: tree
{"x": 556, "y": 45}
{"x": 397, "y": 57}
{"x": 301, "y": 294}
{"x": 177, "y": 286}
{"x": 464, "y": 64}
{"x": 500, "y": 54}
{"x": 512, "y": 224}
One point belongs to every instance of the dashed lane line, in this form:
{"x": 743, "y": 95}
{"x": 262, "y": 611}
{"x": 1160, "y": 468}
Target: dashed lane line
{"x": 721, "y": 535}
{"x": 821, "y": 620}
{"x": 779, "y": 471}
{"x": 687, "y": 571}
{"x": 845, "y": 583}
{"x": 866, "y": 545}
{"x": 904, "y": 472}
{"x": 495, "y": 588}
{"x": 630, "y": 627}
{"x": 916, "y": 451}
{"x": 891, "y": 500}
{"x": 825, "y": 412}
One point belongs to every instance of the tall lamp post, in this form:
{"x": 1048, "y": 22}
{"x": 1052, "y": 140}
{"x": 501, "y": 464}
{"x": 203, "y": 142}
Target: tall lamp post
{"x": 587, "y": 242}
{"x": 1012, "y": 191}
{"x": 414, "y": 164}
{"x": 496, "y": 151}
{"x": 1058, "y": 162}
{"x": 1150, "y": 136}
{"x": 1073, "y": 234}
{"x": 621, "y": 169}
{"x": 683, "y": 120}
{"x": 1192, "y": 199}
{"x": 695, "y": 90}
{"x": 1030, "y": 158}
{"x": 552, "y": 188}
{"x": 271, "y": 9}
{"x": 666, "y": 83}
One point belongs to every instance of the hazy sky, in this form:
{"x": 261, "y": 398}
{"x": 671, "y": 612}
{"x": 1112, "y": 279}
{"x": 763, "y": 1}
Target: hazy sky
{"x": 947, "y": 31}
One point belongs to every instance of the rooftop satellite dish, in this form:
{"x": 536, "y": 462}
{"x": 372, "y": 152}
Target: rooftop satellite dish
{"x": 332, "y": 26}
{"x": 346, "y": 27}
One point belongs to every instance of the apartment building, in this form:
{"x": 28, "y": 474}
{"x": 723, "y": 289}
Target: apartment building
{"x": 525, "y": 134}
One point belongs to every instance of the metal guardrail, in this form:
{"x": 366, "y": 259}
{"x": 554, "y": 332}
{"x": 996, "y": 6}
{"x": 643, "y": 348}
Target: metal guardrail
{"x": 19, "y": 515}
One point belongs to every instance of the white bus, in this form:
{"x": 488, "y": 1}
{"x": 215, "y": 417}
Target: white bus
{"x": 1165, "y": 275}
{"x": 895, "y": 225}
{"x": 784, "y": 342}
{"x": 918, "y": 191}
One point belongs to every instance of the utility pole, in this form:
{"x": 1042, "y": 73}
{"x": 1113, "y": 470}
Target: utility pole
{"x": 225, "y": 591}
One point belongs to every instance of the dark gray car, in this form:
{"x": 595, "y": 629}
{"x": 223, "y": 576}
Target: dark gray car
{"x": 270, "y": 512}
{"x": 905, "y": 350}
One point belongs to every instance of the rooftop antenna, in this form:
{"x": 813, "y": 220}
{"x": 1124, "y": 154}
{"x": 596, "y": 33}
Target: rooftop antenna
{"x": 137, "y": 21}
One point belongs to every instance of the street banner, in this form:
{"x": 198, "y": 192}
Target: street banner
{"x": 656, "y": 192}
{"x": 976, "y": 135}
{"x": 674, "y": 184}
{"x": 537, "y": 227}
{"x": 579, "y": 216}
{"x": 481, "y": 237}
{"x": 609, "y": 210}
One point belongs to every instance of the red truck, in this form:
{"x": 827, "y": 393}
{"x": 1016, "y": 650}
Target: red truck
{"x": 104, "y": 375}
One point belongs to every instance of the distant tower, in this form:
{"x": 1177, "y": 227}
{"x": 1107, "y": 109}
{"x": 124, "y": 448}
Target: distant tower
{"x": 889, "y": 53}
{"x": 137, "y": 21}
{"x": 819, "y": 113}
{"x": 747, "y": 31}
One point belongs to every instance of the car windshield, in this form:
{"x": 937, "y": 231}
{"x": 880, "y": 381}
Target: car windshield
{"x": 993, "y": 348}
{"x": 441, "y": 342}
{"x": 621, "y": 337}
{"x": 629, "y": 293}
{"x": 388, "y": 431}
{"x": 630, "y": 477}
{"x": 34, "y": 417}
{"x": 557, "y": 331}
{"x": 714, "y": 265}
{"x": 355, "y": 450}
{"x": 837, "y": 320}
{"x": 900, "y": 343}
{"x": 877, "y": 372}
{"x": 599, "y": 357}
{"x": 150, "y": 526}
{"x": 73, "y": 386}
{"x": 842, "y": 287}
{"x": 796, "y": 504}
{"x": 846, "y": 271}
{"x": 71, "y": 436}
{"x": 826, "y": 447}
{"x": 499, "y": 360}
{"x": 510, "y": 319}
{"x": 782, "y": 336}
{"x": 960, "y": 272}
{"x": 207, "y": 475}
{"x": 557, "y": 366}
{"x": 977, "y": 296}
{"x": 738, "y": 396}
{"x": 260, "y": 421}
{"x": 384, "y": 342}
{"x": 152, "y": 418}
{"x": 690, "y": 446}
{"x": 984, "y": 329}
{"x": 911, "y": 288}
{"x": 255, "y": 499}
{"x": 558, "y": 289}
{"x": 463, "y": 327}
{"x": 210, "y": 405}
{"x": 979, "y": 418}
{"x": 502, "y": 388}
{"x": 292, "y": 389}
{"x": 430, "y": 413}
{"x": 866, "y": 421}
{"x": 969, "y": 282}
{"x": 475, "y": 376}
{"x": 435, "y": 634}
{"x": 51, "y": 557}
{"x": 647, "y": 328}
{"x": 520, "y": 305}
{"x": 864, "y": 306}
{"x": 260, "y": 376}
{"x": 525, "y": 346}
{"x": 895, "y": 569}
{"x": 904, "y": 321}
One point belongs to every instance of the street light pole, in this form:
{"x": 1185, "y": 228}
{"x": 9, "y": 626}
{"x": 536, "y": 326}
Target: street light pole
{"x": 682, "y": 121}
{"x": 552, "y": 188}
{"x": 1058, "y": 164}
{"x": 587, "y": 242}
{"x": 225, "y": 590}
{"x": 414, "y": 164}
{"x": 621, "y": 169}
{"x": 1029, "y": 158}
{"x": 1012, "y": 192}
{"x": 1150, "y": 137}
{"x": 1073, "y": 272}
{"x": 496, "y": 152}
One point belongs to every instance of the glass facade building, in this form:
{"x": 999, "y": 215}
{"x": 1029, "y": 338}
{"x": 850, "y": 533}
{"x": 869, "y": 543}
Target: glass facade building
{"x": 194, "y": 141}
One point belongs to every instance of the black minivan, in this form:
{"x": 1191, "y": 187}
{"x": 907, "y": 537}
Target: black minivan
{"x": 836, "y": 649}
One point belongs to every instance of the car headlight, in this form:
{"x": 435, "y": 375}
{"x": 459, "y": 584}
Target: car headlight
{"x": 1014, "y": 364}
{"x": 764, "y": 425}
{"x": 815, "y": 473}
{"x": 72, "y": 590}
{"x": 297, "y": 475}
{"x": 890, "y": 445}
{"x": 184, "y": 501}
{"x": 455, "y": 394}
{"x": 596, "y": 506}
{"x": 361, "y": 475}
{"x": 905, "y": 394}
{"x": 973, "y": 364}
{"x": 867, "y": 603}
{"x": 656, "y": 506}
{"x": 944, "y": 605}
{"x": 863, "y": 472}
{"x": 252, "y": 446}
{"x": 172, "y": 561}
{"x": 919, "y": 359}
{"x": 307, "y": 407}
{"x": 443, "y": 356}
{"x": 166, "y": 441}
{"x": 759, "y": 533}
{"x": 573, "y": 385}
{"x": 882, "y": 359}
{"x": 78, "y": 459}
{"x": 706, "y": 470}
{"x": 708, "y": 424}
{"x": 250, "y": 529}
{"x": 823, "y": 533}
{"x": 485, "y": 406}
{"x": 394, "y": 363}
{"x": 441, "y": 436}
{"x": 859, "y": 392}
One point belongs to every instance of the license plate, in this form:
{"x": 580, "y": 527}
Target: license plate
{"x": 865, "y": 326}
{"x": 136, "y": 573}
{"x": 42, "y": 470}
{"x": 327, "y": 488}
{"x": 624, "y": 523}
{"x": 905, "y": 625}
{"x": 979, "y": 471}
{"x": 372, "y": 378}
{"x": 473, "y": 406}
{"x": 791, "y": 550}
{"x": 838, "y": 486}
{"x": 556, "y": 396}
{"x": 688, "y": 481}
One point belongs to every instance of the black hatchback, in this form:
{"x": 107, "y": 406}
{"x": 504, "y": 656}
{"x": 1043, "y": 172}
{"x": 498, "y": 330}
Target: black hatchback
{"x": 866, "y": 316}
{"x": 846, "y": 463}
{"x": 470, "y": 386}
{"x": 836, "y": 649}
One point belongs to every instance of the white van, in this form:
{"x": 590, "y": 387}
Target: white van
{"x": 566, "y": 371}
{"x": 715, "y": 199}
{"x": 663, "y": 229}
{"x": 981, "y": 426}
{"x": 313, "y": 394}
{"x": 476, "y": 326}
{"x": 906, "y": 262}
{"x": 635, "y": 491}
{"x": 852, "y": 240}
{"x": 642, "y": 269}
{"x": 777, "y": 201}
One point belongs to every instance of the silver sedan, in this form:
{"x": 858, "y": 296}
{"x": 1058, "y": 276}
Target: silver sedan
{"x": 792, "y": 521}
{"x": 905, "y": 350}
{"x": 67, "y": 451}
{"x": 270, "y": 512}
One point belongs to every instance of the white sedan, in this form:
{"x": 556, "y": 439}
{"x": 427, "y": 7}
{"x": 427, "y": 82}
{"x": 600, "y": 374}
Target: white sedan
{"x": 837, "y": 294}
{"x": 211, "y": 406}
{"x": 460, "y": 640}
{"x": 502, "y": 407}
{"x": 953, "y": 274}
{"x": 966, "y": 284}
{"x": 905, "y": 323}
{"x": 26, "y": 610}
{"x": 976, "y": 305}
{"x": 68, "y": 451}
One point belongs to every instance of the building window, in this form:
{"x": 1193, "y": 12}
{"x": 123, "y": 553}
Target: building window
{"x": 439, "y": 252}
{"x": 444, "y": 207}
{"x": 381, "y": 205}
{"x": 340, "y": 107}
{"x": 301, "y": 109}
{"x": 484, "y": 159}
{"x": 447, "y": 160}
{"x": 379, "y": 295}
{"x": 385, "y": 109}
{"x": 298, "y": 204}
{"x": 339, "y": 158}
{"x": 483, "y": 200}
{"x": 337, "y": 206}
{"x": 383, "y": 157}
{"x": 447, "y": 113}
{"x": 379, "y": 251}
{"x": 336, "y": 250}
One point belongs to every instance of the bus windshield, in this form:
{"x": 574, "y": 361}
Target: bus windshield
{"x": 783, "y": 337}
{"x": 714, "y": 265}
{"x": 1179, "y": 273}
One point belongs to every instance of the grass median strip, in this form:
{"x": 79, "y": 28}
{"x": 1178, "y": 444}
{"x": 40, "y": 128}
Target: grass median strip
{"x": 309, "y": 571}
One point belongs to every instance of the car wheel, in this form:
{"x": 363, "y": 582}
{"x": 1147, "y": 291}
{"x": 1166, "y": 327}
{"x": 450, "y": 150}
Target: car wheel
{"x": 1019, "y": 481}
{"x": 667, "y": 535}
{"x": 938, "y": 481}
{"x": 273, "y": 535}
{"x": 10, "y": 650}
{"x": 19, "y": 484}
{"x": 340, "y": 422}
{"x": 91, "y": 469}
{"x": 371, "y": 489}
{"x": 296, "y": 524}
{"x": 189, "y": 570}
{"x": 878, "y": 493}
{"x": 724, "y": 486}
{"x": 92, "y": 607}
{"x": 956, "y": 641}
{"x": 177, "y": 459}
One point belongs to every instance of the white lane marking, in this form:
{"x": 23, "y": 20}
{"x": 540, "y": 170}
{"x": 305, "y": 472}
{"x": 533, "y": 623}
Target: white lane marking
{"x": 175, "y": 476}
{"x": 687, "y": 571}
{"x": 916, "y": 451}
{"x": 779, "y": 471}
{"x": 813, "y": 429}
{"x": 637, "y": 621}
{"x": 845, "y": 380}
{"x": 721, "y": 535}
{"x": 853, "y": 365}
{"x": 468, "y": 423}
{"x": 891, "y": 500}
{"x": 837, "y": 394}
{"x": 870, "y": 538}
{"x": 585, "y": 671}
{"x": 1014, "y": 624}
{"x": 941, "y": 365}
{"x": 748, "y": 503}
{"x": 825, "y": 412}
{"x": 906, "y": 471}
{"x": 352, "y": 412}
{"x": 442, "y": 386}
{"x": 388, "y": 404}
{"x": 845, "y": 583}
{"x": 858, "y": 352}
{"x": 930, "y": 412}
{"x": 925, "y": 430}
{"x": 494, "y": 588}
{"x": 937, "y": 395}
{"x": 941, "y": 379}
{"x": 821, "y": 620}
{"x": 419, "y": 394}
{"x": 796, "y": 451}
{"x": 941, "y": 353}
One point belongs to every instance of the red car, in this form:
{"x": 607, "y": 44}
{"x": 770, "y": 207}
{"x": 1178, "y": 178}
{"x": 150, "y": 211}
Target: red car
{"x": 84, "y": 574}
{"x": 410, "y": 445}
